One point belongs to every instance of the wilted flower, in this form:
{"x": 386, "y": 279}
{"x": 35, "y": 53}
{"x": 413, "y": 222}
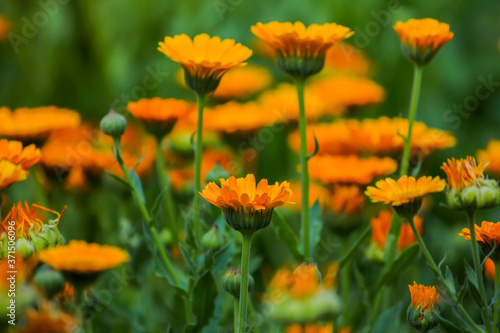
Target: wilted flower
{"x": 247, "y": 207}
{"x": 421, "y": 39}
{"x": 422, "y": 314}
{"x": 404, "y": 194}
{"x": 32, "y": 232}
{"x": 205, "y": 59}
{"x": 468, "y": 188}
{"x": 300, "y": 50}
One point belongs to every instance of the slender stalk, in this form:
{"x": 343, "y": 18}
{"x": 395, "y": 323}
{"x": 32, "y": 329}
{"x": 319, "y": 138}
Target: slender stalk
{"x": 415, "y": 91}
{"x": 376, "y": 305}
{"x": 345, "y": 275}
{"x": 478, "y": 269}
{"x": 165, "y": 185}
{"x": 145, "y": 213}
{"x": 197, "y": 163}
{"x": 495, "y": 309}
{"x": 245, "y": 259}
{"x": 304, "y": 166}
{"x": 392, "y": 240}
{"x": 236, "y": 314}
{"x": 441, "y": 279}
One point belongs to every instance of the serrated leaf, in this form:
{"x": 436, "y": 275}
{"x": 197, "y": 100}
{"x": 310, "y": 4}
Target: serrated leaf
{"x": 285, "y": 234}
{"x": 400, "y": 264}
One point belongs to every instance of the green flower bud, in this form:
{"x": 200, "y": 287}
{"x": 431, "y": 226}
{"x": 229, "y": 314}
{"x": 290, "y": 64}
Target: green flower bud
{"x": 113, "y": 124}
{"x": 50, "y": 281}
{"x": 166, "y": 236}
{"x": 231, "y": 282}
{"x": 25, "y": 247}
{"x": 374, "y": 253}
{"x": 423, "y": 320}
{"x": 212, "y": 239}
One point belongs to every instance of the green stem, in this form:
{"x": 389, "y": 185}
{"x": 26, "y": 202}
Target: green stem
{"x": 495, "y": 309}
{"x": 392, "y": 240}
{"x": 345, "y": 274}
{"x": 376, "y": 305}
{"x": 478, "y": 269}
{"x": 245, "y": 260}
{"x": 415, "y": 91}
{"x": 197, "y": 163}
{"x": 441, "y": 279}
{"x": 144, "y": 212}
{"x": 165, "y": 185}
{"x": 236, "y": 314}
{"x": 304, "y": 171}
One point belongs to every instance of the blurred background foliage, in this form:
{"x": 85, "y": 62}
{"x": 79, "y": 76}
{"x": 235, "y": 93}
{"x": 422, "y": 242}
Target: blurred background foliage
{"x": 95, "y": 55}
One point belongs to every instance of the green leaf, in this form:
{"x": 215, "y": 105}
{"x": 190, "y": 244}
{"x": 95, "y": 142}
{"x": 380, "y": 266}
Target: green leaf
{"x": 389, "y": 321}
{"x": 450, "y": 281}
{"x": 402, "y": 262}
{"x": 203, "y": 301}
{"x": 442, "y": 260}
{"x": 119, "y": 179}
{"x": 176, "y": 314}
{"x": 158, "y": 203}
{"x": 188, "y": 260}
{"x": 315, "y": 224}
{"x": 448, "y": 325}
{"x": 285, "y": 234}
{"x": 472, "y": 285}
{"x": 138, "y": 185}
{"x": 223, "y": 258}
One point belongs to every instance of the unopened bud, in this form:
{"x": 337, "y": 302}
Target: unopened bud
{"x": 113, "y": 124}
{"x": 231, "y": 282}
{"x": 212, "y": 239}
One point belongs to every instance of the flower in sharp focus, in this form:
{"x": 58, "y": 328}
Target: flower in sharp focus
{"x": 422, "y": 38}
{"x": 35, "y": 124}
{"x": 159, "y": 114}
{"x": 488, "y": 236}
{"x": 468, "y": 187}
{"x": 348, "y": 91}
{"x": 404, "y": 194}
{"x": 350, "y": 169}
{"x": 300, "y": 50}
{"x": 247, "y": 207}
{"x": 33, "y": 231}
{"x": 422, "y": 314}
{"x": 205, "y": 59}
{"x": 81, "y": 262}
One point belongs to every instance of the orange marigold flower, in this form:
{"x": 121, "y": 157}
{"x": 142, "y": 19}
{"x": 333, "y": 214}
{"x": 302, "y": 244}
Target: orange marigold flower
{"x": 348, "y": 91}
{"x": 315, "y": 328}
{"x": 159, "y": 111}
{"x": 489, "y": 269}
{"x": 304, "y": 281}
{"x": 404, "y": 190}
{"x": 48, "y": 321}
{"x": 205, "y": 59}
{"x": 317, "y": 192}
{"x": 347, "y": 199}
{"x": 350, "y": 169}
{"x": 463, "y": 173}
{"x": 247, "y": 206}
{"x": 34, "y": 124}
{"x": 11, "y": 173}
{"x": 422, "y": 38}
{"x": 4, "y": 28}
{"x": 404, "y": 194}
{"x": 423, "y": 297}
{"x": 282, "y": 102}
{"x": 84, "y": 258}
{"x": 488, "y": 236}
{"x": 347, "y": 59}
{"x": 300, "y": 50}
{"x": 14, "y": 152}
{"x": 491, "y": 154}
{"x": 381, "y": 226}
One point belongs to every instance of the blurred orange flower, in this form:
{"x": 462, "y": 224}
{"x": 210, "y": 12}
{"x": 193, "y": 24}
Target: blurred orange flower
{"x": 381, "y": 226}
{"x": 48, "y": 321}
{"x": 348, "y": 91}
{"x": 159, "y": 110}
{"x": 4, "y": 28}
{"x": 11, "y": 173}
{"x": 315, "y": 328}
{"x": 491, "y": 154}
{"x": 489, "y": 269}
{"x": 316, "y": 192}
{"x": 14, "y": 152}
{"x": 34, "y": 124}
{"x": 350, "y": 169}
{"x": 347, "y": 199}
{"x": 347, "y": 59}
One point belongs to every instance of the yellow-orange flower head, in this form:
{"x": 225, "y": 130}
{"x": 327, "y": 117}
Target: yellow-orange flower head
{"x": 35, "y": 124}
{"x": 422, "y": 38}
{"x": 381, "y": 226}
{"x": 243, "y": 82}
{"x": 404, "y": 194}
{"x": 491, "y": 154}
{"x": 32, "y": 231}
{"x": 159, "y": 114}
{"x": 300, "y": 50}
{"x": 11, "y": 173}
{"x": 48, "y": 321}
{"x": 422, "y": 314}
{"x": 468, "y": 188}
{"x": 83, "y": 258}
{"x": 488, "y": 236}
{"x": 14, "y": 152}
{"x": 247, "y": 207}
{"x": 205, "y": 59}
